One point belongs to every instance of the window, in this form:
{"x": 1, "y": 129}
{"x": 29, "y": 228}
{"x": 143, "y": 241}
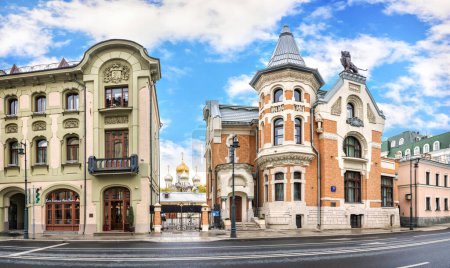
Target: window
{"x": 14, "y": 153}
{"x": 262, "y": 100}
{"x": 352, "y": 148}
{"x": 436, "y": 146}
{"x": 297, "y": 95}
{"x": 352, "y": 187}
{"x": 387, "y": 192}
{"x": 298, "y": 131}
{"x": 416, "y": 150}
{"x": 116, "y": 97}
{"x": 266, "y": 188}
{"x": 278, "y": 131}
{"x": 297, "y": 191}
{"x": 72, "y": 149}
{"x": 426, "y": 148}
{"x": 392, "y": 143}
{"x": 398, "y": 155}
{"x": 350, "y": 110}
{"x": 401, "y": 141}
{"x": 446, "y": 204}
{"x": 40, "y": 104}
{"x": 445, "y": 180}
{"x": 116, "y": 144}
{"x": 13, "y": 105}
{"x": 279, "y": 187}
{"x": 297, "y": 175}
{"x": 262, "y": 135}
{"x": 428, "y": 203}
{"x": 278, "y": 95}
{"x": 41, "y": 152}
{"x": 407, "y": 152}
{"x": 427, "y": 177}
{"x": 72, "y": 102}
{"x": 63, "y": 210}
{"x": 437, "y": 179}
{"x": 438, "y": 203}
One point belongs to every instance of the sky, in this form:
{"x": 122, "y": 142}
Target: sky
{"x": 210, "y": 49}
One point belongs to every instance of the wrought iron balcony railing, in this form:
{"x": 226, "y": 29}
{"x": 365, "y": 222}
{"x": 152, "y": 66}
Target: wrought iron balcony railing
{"x": 99, "y": 166}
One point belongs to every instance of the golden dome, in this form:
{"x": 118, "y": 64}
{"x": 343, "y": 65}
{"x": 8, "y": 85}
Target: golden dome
{"x": 182, "y": 168}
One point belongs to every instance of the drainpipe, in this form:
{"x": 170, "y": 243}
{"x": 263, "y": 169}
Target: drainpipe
{"x": 319, "y": 207}
{"x": 151, "y": 85}
{"x": 85, "y": 152}
{"x": 257, "y": 174}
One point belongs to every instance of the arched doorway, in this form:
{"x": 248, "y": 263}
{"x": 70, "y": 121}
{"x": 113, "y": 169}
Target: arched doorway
{"x": 116, "y": 202}
{"x": 16, "y": 211}
{"x": 62, "y": 210}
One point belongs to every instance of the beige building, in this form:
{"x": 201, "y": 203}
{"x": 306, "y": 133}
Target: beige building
{"x": 91, "y": 139}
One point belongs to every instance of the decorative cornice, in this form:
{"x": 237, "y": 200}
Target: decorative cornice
{"x": 229, "y": 167}
{"x": 291, "y": 158}
{"x": 288, "y": 75}
{"x": 353, "y": 77}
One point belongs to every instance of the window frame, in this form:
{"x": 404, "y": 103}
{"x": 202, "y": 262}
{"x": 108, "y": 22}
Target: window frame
{"x": 110, "y": 141}
{"x": 426, "y": 148}
{"x": 438, "y": 204}
{"x": 387, "y": 192}
{"x": 40, "y": 104}
{"x": 428, "y": 203}
{"x": 13, "y": 153}
{"x": 72, "y": 104}
{"x": 436, "y": 146}
{"x": 357, "y": 149}
{"x": 350, "y": 110}
{"x": 437, "y": 179}
{"x": 71, "y": 148}
{"x": 277, "y": 97}
{"x": 9, "y": 109}
{"x": 297, "y": 93}
{"x": 298, "y": 131}
{"x": 279, "y": 186}
{"x": 278, "y": 123}
{"x": 427, "y": 177}
{"x": 124, "y": 101}
{"x": 352, "y": 176}
{"x": 41, "y": 152}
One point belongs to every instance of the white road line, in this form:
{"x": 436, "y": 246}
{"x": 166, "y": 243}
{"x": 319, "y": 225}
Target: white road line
{"x": 34, "y": 250}
{"x": 414, "y": 265}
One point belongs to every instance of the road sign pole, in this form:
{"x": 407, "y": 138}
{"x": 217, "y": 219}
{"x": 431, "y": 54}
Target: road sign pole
{"x": 34, "y": 218}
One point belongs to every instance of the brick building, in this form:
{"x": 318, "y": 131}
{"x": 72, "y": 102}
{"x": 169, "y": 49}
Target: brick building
{"x": 301, "y": 145}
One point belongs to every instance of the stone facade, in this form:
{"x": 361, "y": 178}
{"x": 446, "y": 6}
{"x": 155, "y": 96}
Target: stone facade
{"x": 63, "y": 116}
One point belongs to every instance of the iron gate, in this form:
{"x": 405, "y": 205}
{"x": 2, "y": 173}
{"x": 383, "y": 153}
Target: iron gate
{"x": 181, "y": 217}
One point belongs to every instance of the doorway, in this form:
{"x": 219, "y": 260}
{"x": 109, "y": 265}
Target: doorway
{"x": 238, "y": 207}
{"x": 117, "y": 202}
{"x": 298, "y": 220}
{"x": 16, "y": 211}
{"x": 355, "y": 221}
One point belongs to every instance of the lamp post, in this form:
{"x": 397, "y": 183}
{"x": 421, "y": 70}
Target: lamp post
{"x": 410, "y": 194}
{"x": 23, "y": 151}
{"x": 233, "y": 147}
{"x": 416, "y": 165}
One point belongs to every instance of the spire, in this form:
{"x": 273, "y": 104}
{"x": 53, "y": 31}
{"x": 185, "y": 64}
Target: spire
{"x": 286, "y": 51}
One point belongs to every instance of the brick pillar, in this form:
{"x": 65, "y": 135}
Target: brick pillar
{"x": 205, "y": 220}
{"x": 157, "y": 218}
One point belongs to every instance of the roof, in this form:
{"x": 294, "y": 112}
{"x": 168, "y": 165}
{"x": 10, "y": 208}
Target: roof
{"x": 286, "y": 50}
{"x": 444, "y": 142}
{"x": 238, "y": 114}
{"x": 183, "y": 197}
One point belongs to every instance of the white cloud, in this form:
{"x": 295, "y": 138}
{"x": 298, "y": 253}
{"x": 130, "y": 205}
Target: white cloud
{"x": 165, "y": 124}
{"x": 225, "y": 25}
{"x": 193, "y": 151}
{"x": 239, "y": 90}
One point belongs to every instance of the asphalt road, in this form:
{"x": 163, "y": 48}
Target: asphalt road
{"x": 412, "y": 249}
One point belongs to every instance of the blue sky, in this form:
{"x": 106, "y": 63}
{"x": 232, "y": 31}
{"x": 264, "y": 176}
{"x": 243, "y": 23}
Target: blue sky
{"x": 210, "y": 50}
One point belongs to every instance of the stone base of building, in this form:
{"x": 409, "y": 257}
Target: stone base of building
{"x": 424, "y": 221}
{"x": 295, "y": 215}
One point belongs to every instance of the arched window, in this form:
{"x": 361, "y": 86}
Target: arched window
{"x": 352, "y": 187}
{"x": 407, "y": 152}
{"x": 278, "y": 131}
{"x": 262, "y": 100}
{"x": 262, "y": 135}
{"x": 12, "y": 107}
{"x": 436, "y": 146}
{"x": 350, "y": 110}
{"x": 297, "y": 95}
{"x": 393, "y": 143}
{"x": 72, "y": 102}
{"x": 41, "y": 152}
{"x": 426, "y": 148}
{"x": 278, "y": 95}
{"x": 298, "y": 131}
{"x": 40, "y": 104}
{"x": 279, "y": 186}
{"x": 401, "y": 141}
{"x": 352, "y": 147}
{"x": 72, "y": 149}
{"x": 63, "y": 210}
{"x": 398, "y": 155}
{"x": 416, "y": 150}
{"x": 14, "y": 153}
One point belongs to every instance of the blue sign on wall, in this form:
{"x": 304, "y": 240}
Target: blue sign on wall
{"x": 333, "y": 189}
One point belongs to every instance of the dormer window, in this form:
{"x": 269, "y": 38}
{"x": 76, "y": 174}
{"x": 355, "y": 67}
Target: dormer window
{"x": 116, "y": 97}
{"x": 350, "y": 110}
{"x": 278, "y": 95}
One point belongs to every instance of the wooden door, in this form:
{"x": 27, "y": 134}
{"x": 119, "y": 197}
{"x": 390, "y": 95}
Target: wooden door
{"x": 238, "y": 208}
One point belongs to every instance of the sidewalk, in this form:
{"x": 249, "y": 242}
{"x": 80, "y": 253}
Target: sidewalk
{"x": 216, "y": 235}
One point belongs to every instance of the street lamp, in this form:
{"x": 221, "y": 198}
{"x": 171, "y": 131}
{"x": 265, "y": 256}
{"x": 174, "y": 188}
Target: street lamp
{"x": 23, "y": 151}
{"x": 410, "y": 194}
{"x": 233, "y": 147}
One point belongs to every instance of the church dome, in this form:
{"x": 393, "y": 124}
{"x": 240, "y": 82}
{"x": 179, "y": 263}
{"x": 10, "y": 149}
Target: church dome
{"x": 168, "y": 177}
{"x": 184, "y": 175}
{"x": 182, "y": 168}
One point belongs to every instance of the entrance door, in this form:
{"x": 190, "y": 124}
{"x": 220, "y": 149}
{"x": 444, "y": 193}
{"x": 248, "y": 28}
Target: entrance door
{"x": 117, "y": 202}
{"x": 12, "y": 216}
{"x": 238, "y": 207}
{"x": 355, "y": 221}
{"x": 16, "y": 211}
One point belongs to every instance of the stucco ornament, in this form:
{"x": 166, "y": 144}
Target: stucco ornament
{"x": 355, "y": 122}
{"x": 370, "y": 114}
{"x": 39, "y": 125}
{"x": 112, "y": 120}
{"x": 71, "y": 123}
{"x": 11, "y": 128}
{"x": 336, "y": 108}
{"x": 116, "y": 73}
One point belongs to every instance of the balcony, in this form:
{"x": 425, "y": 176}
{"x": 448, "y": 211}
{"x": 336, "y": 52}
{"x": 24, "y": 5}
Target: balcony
{"x": 108, "y": 166}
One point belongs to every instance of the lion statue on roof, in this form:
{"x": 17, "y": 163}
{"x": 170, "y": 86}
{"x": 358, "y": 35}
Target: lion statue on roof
{"x": 346, "y": 61}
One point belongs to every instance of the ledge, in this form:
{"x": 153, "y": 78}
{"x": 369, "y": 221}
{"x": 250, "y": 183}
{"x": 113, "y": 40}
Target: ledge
{"x": 11, "y": 117}
{"x": 355, "y": 159}
{"x": 39, "y": 166}
{"x": 12, "y": 167}
{"x": 70, "y": 112}
{"x": 38, "y": 114}
{"x": 71, "y": 164}
{"x": 116, "y": 110}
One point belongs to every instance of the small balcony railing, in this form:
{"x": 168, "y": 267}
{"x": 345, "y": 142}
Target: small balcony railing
{"x": 113, "y": 165}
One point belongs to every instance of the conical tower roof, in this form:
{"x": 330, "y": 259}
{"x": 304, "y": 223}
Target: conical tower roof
{"x": 286, "y": 50}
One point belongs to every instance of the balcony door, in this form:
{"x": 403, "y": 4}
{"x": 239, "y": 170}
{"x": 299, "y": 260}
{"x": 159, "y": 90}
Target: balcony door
{"x": 116, "y": 144}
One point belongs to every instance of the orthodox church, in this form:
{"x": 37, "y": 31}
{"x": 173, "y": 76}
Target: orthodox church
{"x": 182, "y": 183}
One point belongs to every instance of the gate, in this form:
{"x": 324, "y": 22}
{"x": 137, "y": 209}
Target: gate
{"x": 181, "y": 217}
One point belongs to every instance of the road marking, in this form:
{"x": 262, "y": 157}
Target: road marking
{"x": 414, "y": 265}
{"x": 373, "y": 243}
{"x": 34, "y": 250}
{"x": 428, "y": 235}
